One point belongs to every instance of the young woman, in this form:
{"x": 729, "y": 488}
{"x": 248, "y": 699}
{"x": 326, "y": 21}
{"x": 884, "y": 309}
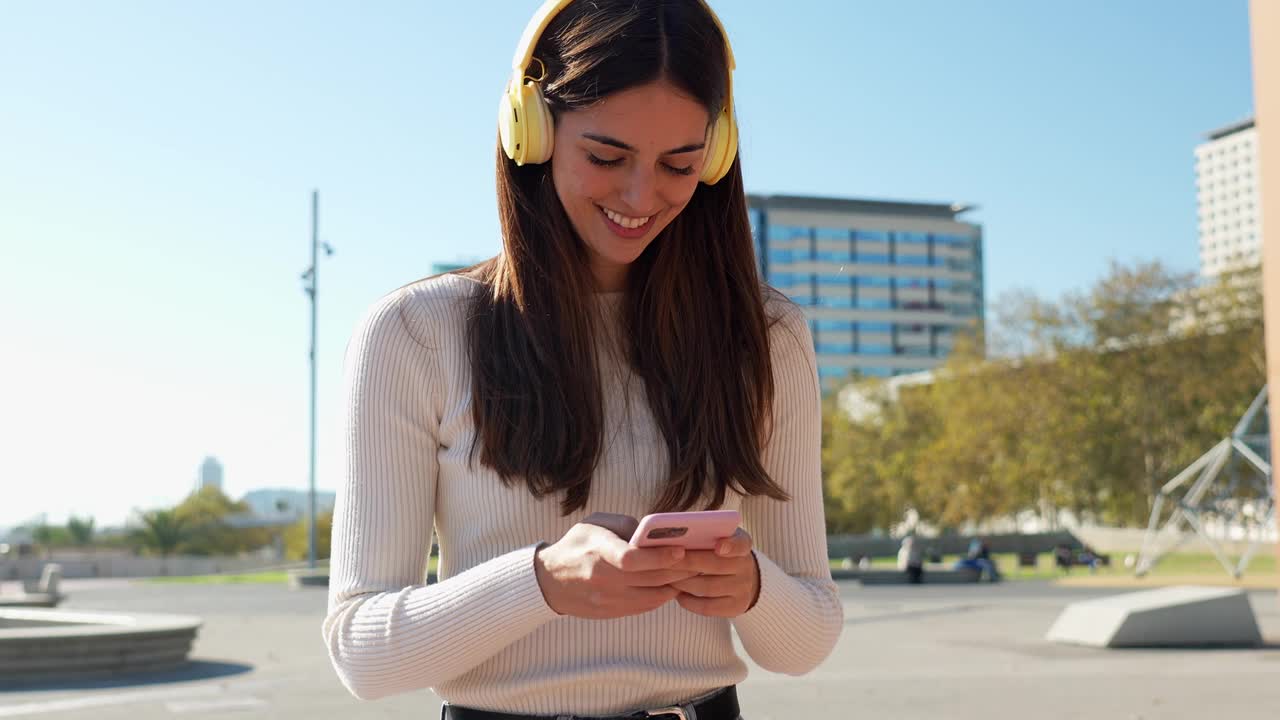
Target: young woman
{"x": 619, "y": 357}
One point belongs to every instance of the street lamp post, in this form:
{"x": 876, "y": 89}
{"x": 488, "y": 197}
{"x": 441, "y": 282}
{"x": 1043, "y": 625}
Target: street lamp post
{"x": 311, "y": 280}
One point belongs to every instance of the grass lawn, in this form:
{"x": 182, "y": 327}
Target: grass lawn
{"x": 273, "y": 576}
{"x": 1177, "y": 568}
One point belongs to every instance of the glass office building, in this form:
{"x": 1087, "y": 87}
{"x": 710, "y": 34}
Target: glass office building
{"x": 886, "y": 285}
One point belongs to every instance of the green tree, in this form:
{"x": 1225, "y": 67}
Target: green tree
{"x": 80, "y": 530}
{"x": 296, "y": 538}
{"x": 48, "y": 537}
{"x": 1089, "y": 405}
{"x": 162, "y": 531}
{"x": 205, "y": 514}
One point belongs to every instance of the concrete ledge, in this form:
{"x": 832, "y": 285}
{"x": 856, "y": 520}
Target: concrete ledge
{"x": 308, "y": 578}
{"x": 1183, "y": 616}
{"x": 32, "y": 599}
{"x": 930, "y": 577}
{"x": 299, "y": 579}
{"x": 41, "y": 644}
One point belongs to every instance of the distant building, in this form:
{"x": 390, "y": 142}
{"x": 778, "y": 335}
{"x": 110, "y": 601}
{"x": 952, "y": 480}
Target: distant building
{"x": 886, "y": 286}
{"x": 210, "y": 474}
{"x": 282, "y": 502}
{"x": 1228, "y": 199}
{"x": 861, "y": 402}
{"x": 439, "y": 268}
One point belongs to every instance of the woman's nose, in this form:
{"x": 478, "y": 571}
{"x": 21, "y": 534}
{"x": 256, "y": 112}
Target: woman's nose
{"x": 641, "y": 191}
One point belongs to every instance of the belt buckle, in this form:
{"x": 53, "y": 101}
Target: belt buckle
{"x": 677, "y": 711}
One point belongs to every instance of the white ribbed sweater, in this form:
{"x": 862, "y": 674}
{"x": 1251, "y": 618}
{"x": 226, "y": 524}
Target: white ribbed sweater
{"x": 483, "y": 636}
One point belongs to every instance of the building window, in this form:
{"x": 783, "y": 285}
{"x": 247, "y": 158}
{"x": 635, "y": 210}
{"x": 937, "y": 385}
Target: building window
{"x": 870, "y": 257}
{"x": 834, "y": 325}
{"x": 873, "y": 304}
{"x": 835, "y": 348}
{"x": 827, "y": 372}
{"x": 875, "y": 327}
{"x": 835, "y": 302}
{"x": 786, "y": 233}
{"x": 871, "y": 235}
{"x": 875, "y": 281}
{"x": 833, "y": 256}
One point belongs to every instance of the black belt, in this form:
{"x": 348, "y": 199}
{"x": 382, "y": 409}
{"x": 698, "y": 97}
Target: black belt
{"x": 721, "y": 706}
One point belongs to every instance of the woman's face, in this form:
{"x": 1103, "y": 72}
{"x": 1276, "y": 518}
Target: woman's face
{"x": 624, "y": 168}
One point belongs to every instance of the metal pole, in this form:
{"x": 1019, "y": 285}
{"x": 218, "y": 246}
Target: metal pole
{"x": 315, "y": 290}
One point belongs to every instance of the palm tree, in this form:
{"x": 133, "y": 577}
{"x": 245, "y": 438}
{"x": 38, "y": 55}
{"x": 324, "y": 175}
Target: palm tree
{"x": 161, "y": 531}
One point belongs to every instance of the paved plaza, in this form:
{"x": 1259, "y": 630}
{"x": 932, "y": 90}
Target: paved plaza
{"x": 907, "y": 652}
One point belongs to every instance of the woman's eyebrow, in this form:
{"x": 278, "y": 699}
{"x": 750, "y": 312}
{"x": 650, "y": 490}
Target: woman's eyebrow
{"x": 606, "y": 140}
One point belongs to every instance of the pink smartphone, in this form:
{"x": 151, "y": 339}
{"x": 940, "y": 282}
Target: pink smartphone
{"x": 690, "y": 530}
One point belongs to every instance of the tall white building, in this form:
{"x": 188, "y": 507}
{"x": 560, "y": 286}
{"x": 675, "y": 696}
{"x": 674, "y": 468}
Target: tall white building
{"x": 1230, "y": 218}
{"x": 210, "y": 474}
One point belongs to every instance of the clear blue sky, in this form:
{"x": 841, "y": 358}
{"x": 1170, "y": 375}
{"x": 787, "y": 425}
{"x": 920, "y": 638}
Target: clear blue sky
{"x": 157, "y": 160}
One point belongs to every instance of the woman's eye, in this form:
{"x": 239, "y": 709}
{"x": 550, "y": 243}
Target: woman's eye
{"x": 601, "y": 161}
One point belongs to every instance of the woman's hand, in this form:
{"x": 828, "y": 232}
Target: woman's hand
{"x": 593, "y": 572}
{"x": 727, "y": 583}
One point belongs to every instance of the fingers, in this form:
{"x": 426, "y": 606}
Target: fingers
{"x": 657, "y": 578}
{"x": 739, "y": 545}
{"x": 711, "y": 586}
{"x": 726, "y": 607}
{"x": 706, "y": 562}
{"x": 633, "y": 559}
{"x": 725, "y": 559}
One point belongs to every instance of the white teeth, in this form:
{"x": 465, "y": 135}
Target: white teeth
{"x": 626, "y": 222}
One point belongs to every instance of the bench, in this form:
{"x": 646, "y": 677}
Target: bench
{"x": 933, "y": 575}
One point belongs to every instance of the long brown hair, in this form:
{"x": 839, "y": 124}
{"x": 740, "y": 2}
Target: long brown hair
{"x": 693, "y": 310}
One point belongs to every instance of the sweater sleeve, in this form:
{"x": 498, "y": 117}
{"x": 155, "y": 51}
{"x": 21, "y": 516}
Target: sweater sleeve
{"x": 798, "y": 617}
{"x": 387, "y": 632}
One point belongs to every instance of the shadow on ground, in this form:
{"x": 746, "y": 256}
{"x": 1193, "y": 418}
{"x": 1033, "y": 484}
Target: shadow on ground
{"x": 194, "y": 670}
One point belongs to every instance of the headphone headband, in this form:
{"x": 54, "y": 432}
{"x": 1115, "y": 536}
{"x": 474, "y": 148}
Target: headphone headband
{"x": 533, "y": 32}
{"x": 548, "y": 11}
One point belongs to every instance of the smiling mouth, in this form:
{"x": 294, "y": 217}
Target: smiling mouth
{"x": 626, "y": 221}
{"x": 625, "y": 225}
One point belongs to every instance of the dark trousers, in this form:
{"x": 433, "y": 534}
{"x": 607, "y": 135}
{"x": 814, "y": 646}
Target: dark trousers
{"x": 915, "y": 574}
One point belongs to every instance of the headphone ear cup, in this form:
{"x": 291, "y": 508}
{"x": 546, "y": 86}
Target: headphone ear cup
{"x": 509, "y": 132}
{"x": 538, "y": 127}
{"x": 525, "y": 125}
{"x": 721, "y": 147}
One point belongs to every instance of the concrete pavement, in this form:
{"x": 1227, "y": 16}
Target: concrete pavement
{"x": 973, "y": 651}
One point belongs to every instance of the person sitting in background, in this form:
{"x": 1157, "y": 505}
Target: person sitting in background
{"x": 978, "y": 558}
{"x": 1062, "y": 556}
{"x": 1090, "y": 558}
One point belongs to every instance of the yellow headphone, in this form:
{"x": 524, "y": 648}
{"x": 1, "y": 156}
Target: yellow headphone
{"x": 525, "y": 123}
